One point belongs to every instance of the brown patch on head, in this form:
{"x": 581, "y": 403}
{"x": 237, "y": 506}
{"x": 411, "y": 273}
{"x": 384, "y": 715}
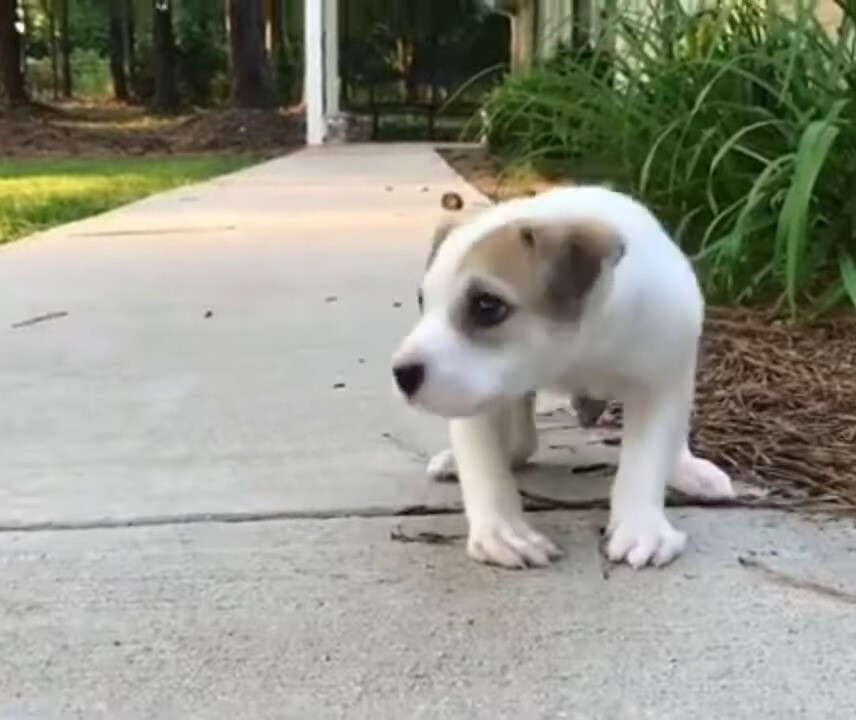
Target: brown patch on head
{"x": 575, "y": 257}
{"x": 550, "y": 268}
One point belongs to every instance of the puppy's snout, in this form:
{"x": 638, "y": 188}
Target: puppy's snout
{"x": 409, "y": 377}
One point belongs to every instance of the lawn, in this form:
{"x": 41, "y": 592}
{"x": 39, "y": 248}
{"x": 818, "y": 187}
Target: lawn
{"x": 38, "y": 193}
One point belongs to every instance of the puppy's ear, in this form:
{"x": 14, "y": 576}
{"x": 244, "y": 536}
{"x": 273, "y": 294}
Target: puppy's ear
{"x": 440, "y": 234}
{"x": 571, "y": 258}
{"x": 452, "y": 202}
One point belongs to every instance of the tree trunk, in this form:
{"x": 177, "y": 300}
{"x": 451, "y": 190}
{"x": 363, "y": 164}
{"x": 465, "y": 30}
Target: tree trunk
{"x": 252, "y": 86}
{"x": 54, "y": 50}
{"x": 65, "y": 45}
{"x": 228, "y": 25}
{"x": 163, "y": 46}
{"x": 117, "y": 51}
{"x": 275, "y": 43}
{"x": 10, "y": 54}
{"x": 128, "y": 43}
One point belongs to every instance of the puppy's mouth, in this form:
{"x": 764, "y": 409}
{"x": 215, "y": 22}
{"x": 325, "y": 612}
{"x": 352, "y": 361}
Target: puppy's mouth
{"x": 413, "y": 384}
{"x": 448, "y": 410}
{"x": 441, "y": 403}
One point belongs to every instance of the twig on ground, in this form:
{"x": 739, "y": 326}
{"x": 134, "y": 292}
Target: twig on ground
{"x": 40, "y": 319}
{"x": 426, "y": 538}
{"x": 788, "y": 580}
{"x": 543, "y": 502}
{"x": 406, "y": 447}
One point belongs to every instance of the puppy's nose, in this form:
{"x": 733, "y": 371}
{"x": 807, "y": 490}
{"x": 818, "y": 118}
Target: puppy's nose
{"x": 409, "y": 377}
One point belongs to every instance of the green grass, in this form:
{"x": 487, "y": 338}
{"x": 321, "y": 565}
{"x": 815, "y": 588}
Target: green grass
{"x": 36, "y": 194}
{"x": 737, "y": 125}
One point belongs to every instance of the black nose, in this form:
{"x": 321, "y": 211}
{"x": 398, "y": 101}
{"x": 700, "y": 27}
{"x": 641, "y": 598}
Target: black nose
{"x": 409, "y": 377}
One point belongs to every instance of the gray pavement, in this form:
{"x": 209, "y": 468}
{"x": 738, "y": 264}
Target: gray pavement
{"x": 222, "y": 356}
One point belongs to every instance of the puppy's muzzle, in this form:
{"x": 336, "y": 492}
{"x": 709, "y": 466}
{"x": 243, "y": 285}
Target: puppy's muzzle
{"x": 409, "y": 378}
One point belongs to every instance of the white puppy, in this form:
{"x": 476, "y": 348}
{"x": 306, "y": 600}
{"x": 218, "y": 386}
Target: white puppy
{"x": 578, "y": 290}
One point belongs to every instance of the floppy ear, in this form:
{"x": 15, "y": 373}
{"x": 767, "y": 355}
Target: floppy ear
{"x": 570, "y": 259}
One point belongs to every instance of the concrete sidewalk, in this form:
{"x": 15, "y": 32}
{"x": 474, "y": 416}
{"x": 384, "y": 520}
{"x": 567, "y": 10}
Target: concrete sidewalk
{"x": 202, "y": 462}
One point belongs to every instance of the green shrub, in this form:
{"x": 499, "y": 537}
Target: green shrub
{"x": 90, "y": 75}
{"x": 737, "y": 125}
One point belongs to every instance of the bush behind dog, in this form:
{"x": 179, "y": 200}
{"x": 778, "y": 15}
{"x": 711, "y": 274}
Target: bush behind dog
{"x": 737, "y": 125}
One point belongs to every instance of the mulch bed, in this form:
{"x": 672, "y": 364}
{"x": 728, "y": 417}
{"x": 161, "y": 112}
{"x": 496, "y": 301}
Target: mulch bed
{"x": 776, "y": 401}
{"x": 115, "y": 130}
{"x": 249, "y": 131}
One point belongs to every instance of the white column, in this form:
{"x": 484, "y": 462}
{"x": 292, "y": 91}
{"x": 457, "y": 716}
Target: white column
{"x": 331, "y": 57}
{"x": 313, "y": 77}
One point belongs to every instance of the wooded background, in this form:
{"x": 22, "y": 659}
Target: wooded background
{"x": 170, "y": 54}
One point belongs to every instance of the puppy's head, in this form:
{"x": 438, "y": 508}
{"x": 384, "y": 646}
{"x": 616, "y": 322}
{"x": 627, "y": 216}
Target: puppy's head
{"x": 497, "y": 306}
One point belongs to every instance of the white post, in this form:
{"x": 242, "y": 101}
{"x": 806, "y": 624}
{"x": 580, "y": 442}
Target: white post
{"x": 313, "y": 77}
{"x": 331, "y": 57}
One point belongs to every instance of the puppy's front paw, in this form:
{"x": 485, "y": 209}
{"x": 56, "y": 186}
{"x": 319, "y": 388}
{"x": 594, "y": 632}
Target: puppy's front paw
{"x": 700, "y": 478}
{"x": 442, "y": 466}
{"x": 510, "y": 543}
{"x": 643, "y": 537}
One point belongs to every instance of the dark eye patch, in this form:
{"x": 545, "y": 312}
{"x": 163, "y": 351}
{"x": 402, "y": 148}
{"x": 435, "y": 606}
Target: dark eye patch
{"x": 485, "y": 309}
{"x": 420, "y": 300}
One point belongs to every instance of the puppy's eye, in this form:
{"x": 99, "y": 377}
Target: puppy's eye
{"x": 420, "y": 300}
{"x": 487, "y": 310}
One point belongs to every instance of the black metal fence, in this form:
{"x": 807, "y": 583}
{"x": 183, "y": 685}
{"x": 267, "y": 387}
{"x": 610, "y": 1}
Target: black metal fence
{"x": 419, "y": 74}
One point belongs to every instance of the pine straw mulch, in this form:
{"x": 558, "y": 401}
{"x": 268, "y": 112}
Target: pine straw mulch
{"x": 776, "y": 406}
{"x": 775, "y": 401}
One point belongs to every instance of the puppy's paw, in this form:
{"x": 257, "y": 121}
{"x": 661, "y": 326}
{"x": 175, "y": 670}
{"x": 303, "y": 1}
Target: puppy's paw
{"x": 700, "y": 478}
{"x": 510, "y": 543}
{"x": 643, "y": 537}
{"x": 442, "y": 466}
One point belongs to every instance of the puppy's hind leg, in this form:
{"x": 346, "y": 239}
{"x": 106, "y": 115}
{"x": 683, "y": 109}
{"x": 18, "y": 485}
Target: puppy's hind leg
{"x": 520, "y": 437}
{"x": 516, "y": 423}
{"x": 700, "y": 478}
{"x": 588, "y": 410}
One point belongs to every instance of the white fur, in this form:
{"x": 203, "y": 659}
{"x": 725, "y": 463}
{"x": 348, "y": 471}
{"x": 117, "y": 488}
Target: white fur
{"x": 636, "y": 342}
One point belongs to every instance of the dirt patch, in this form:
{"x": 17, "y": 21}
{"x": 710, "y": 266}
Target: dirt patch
{"x": 776, "y": 402}
{"x": 116, "y": 130}
{"x": 257, "y": 131}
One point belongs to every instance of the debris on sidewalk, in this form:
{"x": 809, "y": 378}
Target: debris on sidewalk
{"x": 788, "y": 580}
{"x": 40, "y": 319}
{"x": 426, "y": 538}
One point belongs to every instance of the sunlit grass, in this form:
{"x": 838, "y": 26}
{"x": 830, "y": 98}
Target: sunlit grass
{"x": 36, "y": 194}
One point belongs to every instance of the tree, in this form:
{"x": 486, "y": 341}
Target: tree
{"x": 118, "y": 31}
{"x": 10, "y": 53}
{"x": 274, "y": 39}
{"x": 129, "y": 40}
{"x": 252, "y": 84}
{"x": 65, "y": 47}
{"x": 166, "y": 98}
{"x": 50, "y": 9}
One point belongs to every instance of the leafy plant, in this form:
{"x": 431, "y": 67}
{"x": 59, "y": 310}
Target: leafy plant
{"x": 737, "y": 125}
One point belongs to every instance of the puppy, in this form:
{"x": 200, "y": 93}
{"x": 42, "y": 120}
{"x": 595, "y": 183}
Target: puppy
{"x": 578, "y": 290}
